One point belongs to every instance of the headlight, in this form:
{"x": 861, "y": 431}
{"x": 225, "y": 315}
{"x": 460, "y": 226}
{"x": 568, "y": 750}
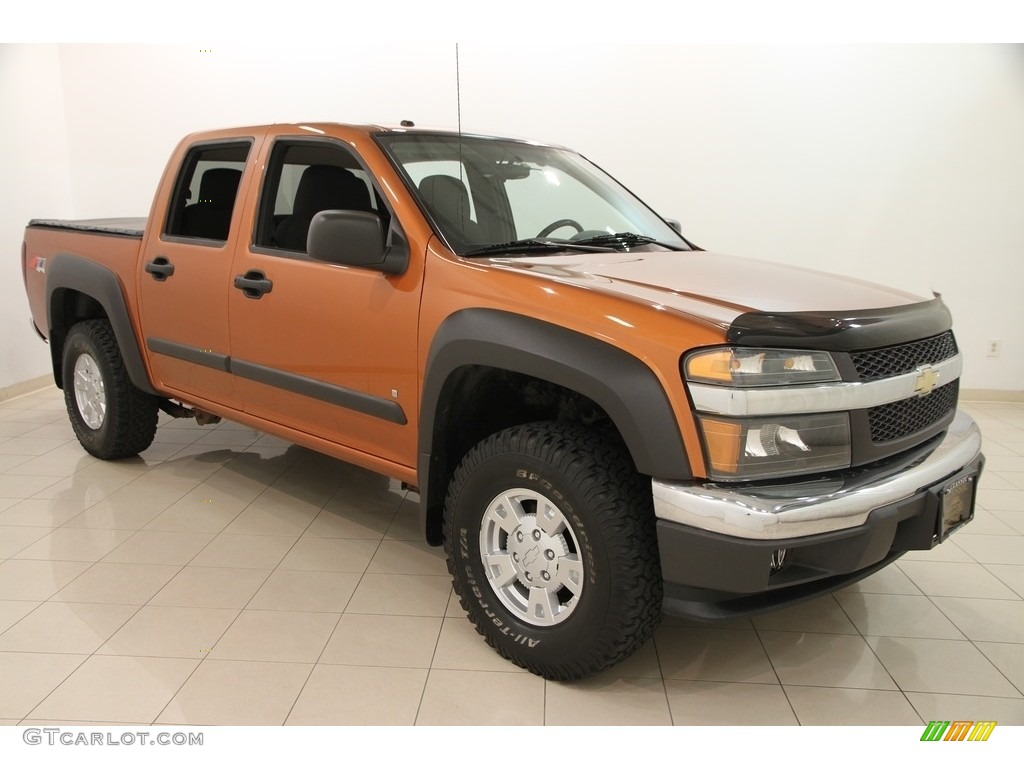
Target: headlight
{"x": 740, "y": 367}
{"x": 765, "y": 446}
{"x": 774, "y": 446}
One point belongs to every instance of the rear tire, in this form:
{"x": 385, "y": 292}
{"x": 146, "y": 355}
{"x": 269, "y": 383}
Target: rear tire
{"x": 111, "y": 417}
{"x": 551, "y": 543}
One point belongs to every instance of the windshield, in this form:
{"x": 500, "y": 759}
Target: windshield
{"x": 484, "y": 194}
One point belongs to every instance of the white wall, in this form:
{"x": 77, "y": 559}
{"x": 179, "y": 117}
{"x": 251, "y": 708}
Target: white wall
{"x": 129, "y": 105}
{"x": 901, "y": 164}
{"x": 36, "y": 181}
{"x": 898, "y": 164}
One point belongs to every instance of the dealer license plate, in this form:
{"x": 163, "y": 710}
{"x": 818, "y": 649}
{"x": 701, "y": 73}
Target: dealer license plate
{"x": 956, "y": 503}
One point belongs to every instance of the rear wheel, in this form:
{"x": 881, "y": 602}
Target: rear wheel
{"x": 111, "y": 417}
{"x": 551, "y": 544}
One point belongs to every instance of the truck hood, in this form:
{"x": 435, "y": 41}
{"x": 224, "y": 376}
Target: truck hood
{"x": 712, "y": 286}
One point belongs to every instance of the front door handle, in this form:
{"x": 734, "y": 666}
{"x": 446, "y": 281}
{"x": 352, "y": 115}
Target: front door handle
{"x": 160, "y": 268}
{"x": 253, "y": 284}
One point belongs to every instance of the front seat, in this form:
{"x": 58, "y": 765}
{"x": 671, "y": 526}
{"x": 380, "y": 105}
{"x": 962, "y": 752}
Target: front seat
{"x": 447, "y": 200}
{"x": 210, "y": 217}
{"x": 321, "y": 188}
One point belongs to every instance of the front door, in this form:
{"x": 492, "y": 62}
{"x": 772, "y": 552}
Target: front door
{"x": 322, "y": 348}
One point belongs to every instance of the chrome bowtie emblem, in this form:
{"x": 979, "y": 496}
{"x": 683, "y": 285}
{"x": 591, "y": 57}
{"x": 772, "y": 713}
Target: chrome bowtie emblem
{"x": 927, "y": 378}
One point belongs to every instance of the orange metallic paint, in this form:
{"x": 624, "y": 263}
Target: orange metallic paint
{"x": 355, "y": 328}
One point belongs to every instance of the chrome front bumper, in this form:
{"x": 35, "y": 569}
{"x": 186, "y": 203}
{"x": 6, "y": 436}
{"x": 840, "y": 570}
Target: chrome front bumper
{"x": 821, "y": 506}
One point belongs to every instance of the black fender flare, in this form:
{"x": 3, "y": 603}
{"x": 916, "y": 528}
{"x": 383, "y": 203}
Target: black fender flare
{"x": 67, "y": 272}
{"x": 624, "y": 386}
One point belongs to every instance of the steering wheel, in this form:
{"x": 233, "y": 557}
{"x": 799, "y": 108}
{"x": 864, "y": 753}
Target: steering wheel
{"x": 558, "y": 225}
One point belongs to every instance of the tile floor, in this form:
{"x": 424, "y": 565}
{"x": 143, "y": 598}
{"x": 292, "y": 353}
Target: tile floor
{"x": 227, "y": 577}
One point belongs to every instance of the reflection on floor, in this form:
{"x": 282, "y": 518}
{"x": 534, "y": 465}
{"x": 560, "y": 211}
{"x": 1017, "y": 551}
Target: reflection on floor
{"x": 227, "y": 577}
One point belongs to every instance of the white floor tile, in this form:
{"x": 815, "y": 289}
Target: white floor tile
{"x": 276, "y": 636}
{"x": 28, "y": 678}
{"x": 941, "y": 666}
{"x": 337, "y": 695}
{"x": 237, "y": 693}
{"x": 170, "y": 631}
{"x": 721, "y": 703}
{"x": 721, "y": 655}
{"x": 851, "y": 706}
{"x": 228, "y": 577}
{"x": 622, "y": 701}
{"x": 957, "y": 580}
{"x": 198, "y": 587}
{"x": 838, "y": 661}
{"x": 897, "y": 616}
{"x": 995, "y": 621}
{"x": 383, "y": 641}
{"x": 456, "y": 697}
{"x": 12, "y": 611}
{"x": 939, "y": 706}
{"x": 66, "y": 628}
{"x": 116, "y": 689}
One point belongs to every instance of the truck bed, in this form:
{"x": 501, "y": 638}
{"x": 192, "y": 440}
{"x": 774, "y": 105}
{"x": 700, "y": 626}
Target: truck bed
{"x": 126, "y": 227}
{"x": 112, "y": 243}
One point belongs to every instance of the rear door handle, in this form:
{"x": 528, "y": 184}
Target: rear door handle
{"x": 253, "y": 284}
{"x": 160, "y": 268}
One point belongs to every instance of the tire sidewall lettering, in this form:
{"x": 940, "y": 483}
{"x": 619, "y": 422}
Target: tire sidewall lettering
{"x": 587, "y": 473}
{"x": 491, "y": 611}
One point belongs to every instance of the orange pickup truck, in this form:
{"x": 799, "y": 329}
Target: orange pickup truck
{"x": 604, "y": 422}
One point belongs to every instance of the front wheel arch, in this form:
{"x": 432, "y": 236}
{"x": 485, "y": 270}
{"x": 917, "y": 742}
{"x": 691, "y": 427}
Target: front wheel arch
{"x": 625, "y": 388}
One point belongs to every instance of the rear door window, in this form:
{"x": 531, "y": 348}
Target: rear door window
{"x": 206, "y": 191}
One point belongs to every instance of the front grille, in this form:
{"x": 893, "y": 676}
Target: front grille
{"x": 892, "y": 361}
{"x": 905, "y": 417}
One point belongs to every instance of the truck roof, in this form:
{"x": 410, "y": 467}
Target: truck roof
{"x": 328, "y": 127}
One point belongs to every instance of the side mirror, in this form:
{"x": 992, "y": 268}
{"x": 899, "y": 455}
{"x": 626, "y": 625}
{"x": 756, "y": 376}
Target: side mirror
{"x": 674, "y": 223}
{"x": 356, "y": 239}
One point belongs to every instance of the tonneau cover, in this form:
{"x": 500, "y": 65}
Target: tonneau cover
{"x": 127, "y": 227}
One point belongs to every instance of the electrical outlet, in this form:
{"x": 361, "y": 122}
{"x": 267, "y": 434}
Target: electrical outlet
{"x": 995, "y": 346}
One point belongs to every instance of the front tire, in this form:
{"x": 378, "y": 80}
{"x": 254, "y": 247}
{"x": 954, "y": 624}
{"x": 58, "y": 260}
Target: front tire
{"x": 111, "y": 417}
{"x": 551, "y": 543}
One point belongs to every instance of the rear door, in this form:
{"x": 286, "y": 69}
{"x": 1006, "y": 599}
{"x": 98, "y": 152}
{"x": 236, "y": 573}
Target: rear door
{"x": 185, "y": 272}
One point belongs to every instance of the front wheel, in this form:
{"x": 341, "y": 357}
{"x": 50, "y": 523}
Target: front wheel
{"x": 111, "y": 417}
{"x": 550, "y": 540}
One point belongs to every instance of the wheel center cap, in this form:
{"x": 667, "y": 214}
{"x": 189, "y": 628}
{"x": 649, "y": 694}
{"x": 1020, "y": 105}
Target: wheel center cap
{"x": 535, "y": 553}
{"x": 530, "y": 556}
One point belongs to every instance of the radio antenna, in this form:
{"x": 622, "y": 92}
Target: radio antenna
{"x": 463, "y": 215}
{"x": 458, "y": 91}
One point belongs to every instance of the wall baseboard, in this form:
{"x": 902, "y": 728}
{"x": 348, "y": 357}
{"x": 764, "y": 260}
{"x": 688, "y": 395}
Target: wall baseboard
{"x": 25, "y": 387}
{"x": 992, "y": 395}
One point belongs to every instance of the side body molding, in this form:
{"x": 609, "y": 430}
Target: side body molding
{"x": 622, "y": 385}
{"x": 67, "y": 272}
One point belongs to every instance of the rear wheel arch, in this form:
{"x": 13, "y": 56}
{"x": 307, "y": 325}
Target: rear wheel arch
{"x": 77, "y": 290}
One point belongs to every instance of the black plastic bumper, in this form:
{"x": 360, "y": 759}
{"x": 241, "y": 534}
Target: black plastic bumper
{"x": 711, "y": 576}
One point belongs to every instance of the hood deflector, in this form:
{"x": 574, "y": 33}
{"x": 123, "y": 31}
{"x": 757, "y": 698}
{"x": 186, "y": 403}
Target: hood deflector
{"x": 841, "y": 332}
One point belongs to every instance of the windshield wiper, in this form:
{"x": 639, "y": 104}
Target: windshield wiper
{"x": 534, "y": 245}
{"x": 624, "y": 239}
